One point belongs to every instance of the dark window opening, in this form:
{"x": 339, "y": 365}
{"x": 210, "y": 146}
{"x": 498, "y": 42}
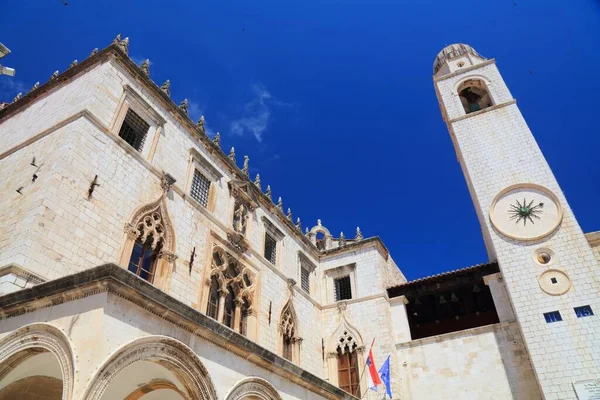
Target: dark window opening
{"x": 305, "y": 279}
{"x": 134, "y": 130}
{"x": 200, "y": 188}
{"x": 270, "y": 248}
{"x": 583, "y": 311}
{"x": 213, "y": 299}
{"x": 287, "y": 347}
{"x": 474, "y": 96}
{"x": 244, "y": 318}
{"x": 553, "y": 316}
{"x": 348, "y": 375}
{"x": 143, "y": 259}
{"x": 553, "y": 280}
{"x": 342, "y": 288}
{"x": 320, "y": 240}
{"x": 229, "y": 314}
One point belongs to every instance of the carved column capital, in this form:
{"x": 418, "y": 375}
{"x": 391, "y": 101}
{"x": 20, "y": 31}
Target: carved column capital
{"x": 168, "y": 255}
{"x": 131, "y": 231}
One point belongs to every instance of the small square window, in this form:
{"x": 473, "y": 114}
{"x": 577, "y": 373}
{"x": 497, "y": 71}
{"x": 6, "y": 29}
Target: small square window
{"x": 134, "y": 130}
{"x": 270, "y": 248}
{"x": 554, "y": 281}
{"x": 553, "y": 316}
{"x": 200, "y": 188}
{"x": 305, "y": 279}
{"x": 342, "y": 288}
{"x": 583, "y": 311}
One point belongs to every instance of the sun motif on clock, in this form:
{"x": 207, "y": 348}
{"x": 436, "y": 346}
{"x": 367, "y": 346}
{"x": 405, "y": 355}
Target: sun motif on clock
{"x": 525, "y": 211}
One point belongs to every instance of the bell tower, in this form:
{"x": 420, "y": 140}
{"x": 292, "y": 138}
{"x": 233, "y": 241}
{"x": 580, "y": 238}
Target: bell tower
{"x": 551, "y": 274}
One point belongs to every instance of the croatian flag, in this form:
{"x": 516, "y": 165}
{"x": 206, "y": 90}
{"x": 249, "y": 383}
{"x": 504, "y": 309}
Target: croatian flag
{"x": 372, "y": 376}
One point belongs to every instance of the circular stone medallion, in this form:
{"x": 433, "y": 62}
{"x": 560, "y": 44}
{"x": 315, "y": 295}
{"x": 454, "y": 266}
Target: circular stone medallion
{"x": 554, "y": 282}
{"x": 526, "y": 212}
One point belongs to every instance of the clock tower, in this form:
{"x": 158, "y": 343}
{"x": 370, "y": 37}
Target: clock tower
{"x": 551, "y": 274}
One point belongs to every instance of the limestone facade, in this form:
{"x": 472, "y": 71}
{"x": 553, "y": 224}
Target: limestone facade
{"x": 239, "y": 302}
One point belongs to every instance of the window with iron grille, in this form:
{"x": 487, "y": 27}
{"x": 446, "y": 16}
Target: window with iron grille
{"x": 134, "y": 130}
{"x": 270, "y": 248}
{"x": 305, "y": 279}
{"x": 200, "y": 188}
{"x": 342, "y": 288}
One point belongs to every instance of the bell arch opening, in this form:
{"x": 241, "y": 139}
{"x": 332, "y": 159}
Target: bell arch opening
{"x": 474, "y": 95}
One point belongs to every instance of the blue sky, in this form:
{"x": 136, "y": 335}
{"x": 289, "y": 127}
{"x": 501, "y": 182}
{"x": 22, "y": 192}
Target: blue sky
{"x": 333, "y": 100}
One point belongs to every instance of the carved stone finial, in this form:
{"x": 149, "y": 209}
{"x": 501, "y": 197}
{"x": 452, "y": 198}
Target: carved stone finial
{"x": 166, "y": 87}
{"x": 184, "y": 106}
{"x": 18, "y": 97}
{"x": 117, "y": 39}
{"x": 280, "y": 204}
{"x": 74, "y": 63}
{"x": 94, "y": 52}
{"x": 217, "y": 139}
{"x": 167, "y": 181}
{"x": 306, "y": 231}
{"x": 319, "y": 222}
{"x": 200, "y": 124}
{"x": 124, "y": 45}
{"x": 289, "y": 214}
{"x": 37, "y": 85}
{"x": 342, "y": 240}
{"x": 232, "y": 154}
{"x": 257, "y": 181}
{"x": 246, "y": 167}
{"x": 268, "y": 193}
{"x": 299, "y": 224}
{"x": 145, "y": 67}
{"x": 54, "y": 75}
{"x": 359, "y": 235}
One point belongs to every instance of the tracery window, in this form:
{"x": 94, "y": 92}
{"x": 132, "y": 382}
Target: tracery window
{"x": 231, "y": 291}
{"x": 288, "y": 328}
{"x": 347, "y": 365}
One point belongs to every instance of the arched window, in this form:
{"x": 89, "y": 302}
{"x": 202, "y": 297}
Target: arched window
{"x": 348, "y": 374}
{"x": 143, "y": 258}
{"x": 229, "y": 311}
{"x": 213, "y": 299}
{"x": 244, "y": 318}
{"x": 474, "y": 95}
{"x": 288, "y": 328}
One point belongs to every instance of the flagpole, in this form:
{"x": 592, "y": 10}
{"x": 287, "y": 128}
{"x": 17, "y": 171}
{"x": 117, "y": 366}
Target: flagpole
{"x": 365, "y": 368}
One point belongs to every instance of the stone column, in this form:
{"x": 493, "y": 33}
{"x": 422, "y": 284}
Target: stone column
{"x": 252, "y": 324}
{"x": 400, "y": 319}
{"x": 237, "y": 315}
{"x": 503, "y": 305}
{"x": 221, "y": 311}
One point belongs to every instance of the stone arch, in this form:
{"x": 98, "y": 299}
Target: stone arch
{"x": 344, "y": 333}
{"x": 325, "y": 242}
{"x": 163, "y": 350}
{"x": 474, "y": 93}
{"x": 254, "y": 388}
{"x": 289, "y": 333}
{"x": 20, "y": 345}
{"x": 150, "y": 223}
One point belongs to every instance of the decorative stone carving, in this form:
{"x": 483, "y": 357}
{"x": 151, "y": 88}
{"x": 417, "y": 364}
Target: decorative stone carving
{"x": 217, "y": 140}
{"x": 238, "y": 241}
{"x": 257, "y": 181}
{"x": 18, "y": 97}
{"x": 268, "y": 193}
{"x": 240, "y": 217}
{"x": 184, "y": 106}
{"x": 288, "y": 322}
{"x": 166, "y": 87}
{"x": 145, "y": 67}
{"x": 54, "y": 75}
{"x": 342, "y": 240}
{"x": 131, "y": 231}
{"x": 170, "y": 353}
{"x": 246, "y": 167}
{"x": 35, "y": 86}
{"x": 280, "y": 204}
{"x": 346, "y": 337}
{"x": 74, "y": 63}
{"x": 253, "y": 388}
{"x": 289, "y": 214}
{"x": 232, "y": 154}
{"x": 200, "y": 124}
{"x": 124, "y": 45}
{"x": 229, "y": 273}
{"x": 167, "y": 255}
{"x": 117, "y": 39}
{"x": 359, "y": 235}
{"x": 167, "y": 181}
{"x": 94, "y": 52}
{"x": 299, "y": 224}
{"x": 152, "y": 221}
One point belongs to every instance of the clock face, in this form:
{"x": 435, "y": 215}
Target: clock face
{"x": 526, "y": 212}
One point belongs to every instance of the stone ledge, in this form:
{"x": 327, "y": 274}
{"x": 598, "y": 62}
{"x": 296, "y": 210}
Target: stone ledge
{"x": 114, "y": 279}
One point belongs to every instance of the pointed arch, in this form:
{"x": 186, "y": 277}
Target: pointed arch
{"x": 344, "y": 333}
{"x": 23, "y": 343}
{"x": 289, "y": 333}
{"x": 149, "y": 249}
{"x": 253, "y": 387}
{"x": 167, "y": 352}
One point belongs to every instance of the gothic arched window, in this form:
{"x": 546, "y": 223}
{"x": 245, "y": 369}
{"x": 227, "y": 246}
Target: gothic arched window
{"x": 288, "y": 328}
{"x": 143, "y": 259}
{"x": 229, "y": 310}
{"x": 474, "y": 95}
{"x": 213, "y": 299}
{"x": 347, "y": 365}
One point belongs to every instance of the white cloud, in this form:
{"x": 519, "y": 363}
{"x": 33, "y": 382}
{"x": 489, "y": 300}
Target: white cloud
{"x": 194, "y": 110}
{"x": 256, "y": 114}
{"x": 9, "y": 87}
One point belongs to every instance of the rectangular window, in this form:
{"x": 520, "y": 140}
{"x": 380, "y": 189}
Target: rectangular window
{"x": 583, "y": 311}
{"x": 134, "y": 130}
{"x": 553, "y": 316}
{"x": 342, "y": 288}
{"x": 305, "y": 279}
{"x": 200, "y": 188}
{"x": 270, "y": 248}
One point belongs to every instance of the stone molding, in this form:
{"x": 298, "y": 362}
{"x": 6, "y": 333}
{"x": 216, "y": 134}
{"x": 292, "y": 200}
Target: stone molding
{"x": 485, "y": 110}
{"x": 21, "y": 272}
{"x": 464, "y": 70}
{"x": 43, "y": 336}
{"x": 114, "y": 280}
{"x": 253, "y": 387}
{"x": 168, "y": 352}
